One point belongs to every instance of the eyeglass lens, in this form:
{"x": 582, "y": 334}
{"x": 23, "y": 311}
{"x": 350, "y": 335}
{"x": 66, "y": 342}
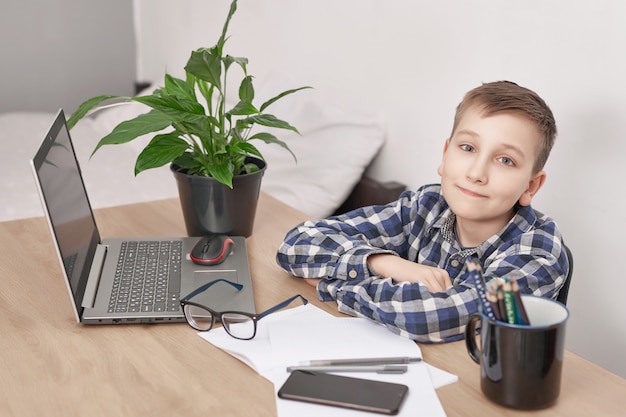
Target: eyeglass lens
{"x": 198, "y": 317}
{"x": 237, "y": 325}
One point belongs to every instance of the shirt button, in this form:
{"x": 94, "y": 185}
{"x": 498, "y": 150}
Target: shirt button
{"x": 352, "y": 274}
{"x": 455, "y": 263}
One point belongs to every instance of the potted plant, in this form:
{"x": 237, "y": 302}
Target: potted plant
{"x": 207, "y": 145}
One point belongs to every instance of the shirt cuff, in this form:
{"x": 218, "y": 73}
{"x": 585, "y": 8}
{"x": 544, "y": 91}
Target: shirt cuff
{"x": 353, "y": 265}
{"x": 327, "y": 289}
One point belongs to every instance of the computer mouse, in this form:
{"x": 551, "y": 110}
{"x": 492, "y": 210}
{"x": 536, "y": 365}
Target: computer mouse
{"x": 211, "y": 250}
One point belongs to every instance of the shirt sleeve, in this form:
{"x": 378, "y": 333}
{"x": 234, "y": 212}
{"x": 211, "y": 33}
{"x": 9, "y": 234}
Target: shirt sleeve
{"x": 338, "y": 247}
{"x": 536, "y": 259}
{"x": 406, "y": 308}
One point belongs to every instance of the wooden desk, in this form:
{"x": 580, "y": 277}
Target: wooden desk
{"x": 52, "y": 366}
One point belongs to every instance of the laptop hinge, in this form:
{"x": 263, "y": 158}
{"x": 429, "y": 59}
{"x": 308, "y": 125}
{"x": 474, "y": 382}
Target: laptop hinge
{"x": 93, "y": 281}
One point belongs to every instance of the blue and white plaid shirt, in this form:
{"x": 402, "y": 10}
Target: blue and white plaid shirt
{"x": 419, "y": 226}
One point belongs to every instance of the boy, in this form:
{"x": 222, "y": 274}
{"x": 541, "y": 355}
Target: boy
{"x": 403, "y": 264}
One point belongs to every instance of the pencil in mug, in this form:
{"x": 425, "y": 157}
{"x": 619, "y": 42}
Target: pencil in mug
{"x": 509, "y": 303}
{"x": 479, "y": 282}
{"x": 519, "y": 305}
{"x": 500, "y": 297}
{"x": 492, "y": 297}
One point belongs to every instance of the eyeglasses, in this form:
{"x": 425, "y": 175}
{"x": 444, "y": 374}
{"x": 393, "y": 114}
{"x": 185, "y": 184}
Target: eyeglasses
{"x": 238, "y": 324}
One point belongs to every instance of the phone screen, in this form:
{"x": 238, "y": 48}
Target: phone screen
{"x": 342, "y": 391}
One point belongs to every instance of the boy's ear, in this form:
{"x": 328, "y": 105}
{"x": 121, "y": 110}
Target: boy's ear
{"x": 445, "y": 148}
{"x": 535, "y": 183}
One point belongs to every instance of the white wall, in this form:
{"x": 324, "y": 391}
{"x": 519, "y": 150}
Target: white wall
{"x": 57, "y": 53}
{"x": 412, "y": 60}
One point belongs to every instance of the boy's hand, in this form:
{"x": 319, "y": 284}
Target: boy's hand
{"x": 385, "y": 265}
{"x": 312, "y": 281}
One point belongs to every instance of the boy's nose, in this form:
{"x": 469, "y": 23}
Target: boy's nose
{"x": 477, "y": 172}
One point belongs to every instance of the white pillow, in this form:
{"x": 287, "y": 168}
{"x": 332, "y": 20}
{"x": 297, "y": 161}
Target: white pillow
{"x": 334, "y": 149}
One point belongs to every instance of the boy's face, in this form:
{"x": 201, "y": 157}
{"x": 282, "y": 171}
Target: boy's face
{"x": 487, "y": 166}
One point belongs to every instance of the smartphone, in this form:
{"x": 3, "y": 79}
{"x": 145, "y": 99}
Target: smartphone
{"x": 343, "y": 391}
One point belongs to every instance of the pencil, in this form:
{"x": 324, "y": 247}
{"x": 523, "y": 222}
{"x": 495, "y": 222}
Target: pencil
{"x": 493, "y": 300}
{"x": 500, "y": 297}
{"x": 509, "y": 303}
{"x": 519, "y": 307}
{"x": 479, "y": 282}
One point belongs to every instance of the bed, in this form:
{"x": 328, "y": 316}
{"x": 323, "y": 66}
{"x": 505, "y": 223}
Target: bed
{"x": 334, "y": 150}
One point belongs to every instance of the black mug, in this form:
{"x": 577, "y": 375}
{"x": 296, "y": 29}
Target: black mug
{"x": 521, "y": 365}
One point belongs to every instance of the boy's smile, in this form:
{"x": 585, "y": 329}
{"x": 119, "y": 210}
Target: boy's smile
{"x": 487, "y": 168}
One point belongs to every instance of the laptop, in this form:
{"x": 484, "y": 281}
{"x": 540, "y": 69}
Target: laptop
{"x": 97, "y": 272}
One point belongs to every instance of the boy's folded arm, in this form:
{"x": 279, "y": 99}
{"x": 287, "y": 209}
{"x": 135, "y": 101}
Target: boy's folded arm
{"x": 403, "y": 270}
{"x": 537, "y": 272}
{"x": 347, "y": 261}
{"x": 537, "y": 260}
{"x": 338, "y": 247}
{"x": 407, "y": 309}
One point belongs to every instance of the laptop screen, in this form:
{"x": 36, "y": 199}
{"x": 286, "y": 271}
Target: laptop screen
{"x": 66, "y": 204}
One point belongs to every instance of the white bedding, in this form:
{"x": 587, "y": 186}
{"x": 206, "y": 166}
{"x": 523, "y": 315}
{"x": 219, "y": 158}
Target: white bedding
{"x": 334, "y": 149}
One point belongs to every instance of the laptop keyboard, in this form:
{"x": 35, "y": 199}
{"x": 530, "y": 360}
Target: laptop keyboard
{"x": 147, "y": 277}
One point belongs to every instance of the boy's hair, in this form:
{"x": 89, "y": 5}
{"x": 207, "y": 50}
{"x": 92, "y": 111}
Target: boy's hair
{"x": 506, "y": 96}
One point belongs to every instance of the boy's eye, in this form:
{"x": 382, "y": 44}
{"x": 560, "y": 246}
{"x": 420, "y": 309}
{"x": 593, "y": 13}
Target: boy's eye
{"x": 507, "y": 161}
{"x": 467, "y": 148}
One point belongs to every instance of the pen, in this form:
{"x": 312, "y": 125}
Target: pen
{"x": 379, "y": 369}
{"x": 362, "y": 361}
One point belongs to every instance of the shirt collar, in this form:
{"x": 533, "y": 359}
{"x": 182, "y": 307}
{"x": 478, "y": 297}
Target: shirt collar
{"x": 446, "y": 222}
{"x": 523, "y": 220}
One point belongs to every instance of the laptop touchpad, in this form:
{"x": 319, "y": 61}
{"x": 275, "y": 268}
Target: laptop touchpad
{"x": 220, "y": 294}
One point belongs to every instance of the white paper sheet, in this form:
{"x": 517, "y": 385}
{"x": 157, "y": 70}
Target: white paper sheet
{"x": 340, "y": 338}
{"x": 306, "y": 333}
{"x": 257, "y": 353}
{"x": 335, "y": 338}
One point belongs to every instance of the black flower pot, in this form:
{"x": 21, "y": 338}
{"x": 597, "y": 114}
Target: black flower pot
{"x": 210, "y": 207}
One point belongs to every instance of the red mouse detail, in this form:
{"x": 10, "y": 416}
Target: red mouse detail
{"x": 211, "y": 250}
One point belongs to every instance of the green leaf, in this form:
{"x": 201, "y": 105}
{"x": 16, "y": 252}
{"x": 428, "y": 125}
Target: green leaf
{"x": 243, "y": 108}
{"x": 200, "y": 127}
{"x": 161, "y": 150}
{"x": 249, "y": 149}
{"x": 250, "y": 168}
{"x": 269, "y": 121}
{"x": 242, "y": 62}
{"x": 188, "y": 162}
{"x": 231, "y": 12}
{"x": 84, "y": 108}
{"x": 179, "y": 88}
{"x": 131, "y": 129}
{"x": 223, "y": 173}
{"x": 281, "y": 95}
{"x": 206, "y": 64}
{"x": 269, "y": 138}
{"x": 205, "y": 90}
{"x": 177, "y": 108}
{"x": 246, "y": 89}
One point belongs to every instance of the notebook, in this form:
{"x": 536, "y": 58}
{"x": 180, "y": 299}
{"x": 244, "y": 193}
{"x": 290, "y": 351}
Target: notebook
{"x": 97, "y": 272}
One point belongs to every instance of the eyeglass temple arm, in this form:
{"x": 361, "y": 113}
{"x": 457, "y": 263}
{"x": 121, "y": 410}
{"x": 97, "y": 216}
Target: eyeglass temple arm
{"x": 282, "y": 305}
{"x": 209, "y": 285}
